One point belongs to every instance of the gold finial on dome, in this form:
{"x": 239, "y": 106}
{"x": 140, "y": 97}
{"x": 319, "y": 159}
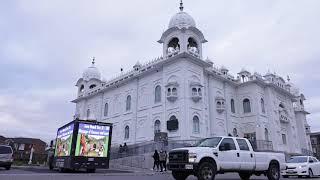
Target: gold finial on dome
{"x": 181, "y": 5}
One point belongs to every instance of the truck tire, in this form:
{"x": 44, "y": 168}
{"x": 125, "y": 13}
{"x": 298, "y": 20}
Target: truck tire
{"x": 207, "y": 171}
{"x": 91, "y": 170}
{"x": 8, "y": 167}
{"x": 273, "y": 172}
{"x": 310, "y": 174}
{"x": 179, "y": 175}
{"x": 244, "y": 176}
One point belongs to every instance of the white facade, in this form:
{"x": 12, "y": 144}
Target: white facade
{"x": 204, "y": 100}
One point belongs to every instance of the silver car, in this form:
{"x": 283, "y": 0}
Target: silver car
{"x": 6, "y": 156}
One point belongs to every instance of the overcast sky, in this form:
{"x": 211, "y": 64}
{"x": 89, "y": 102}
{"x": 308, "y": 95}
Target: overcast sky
{"x": 45, "y": 45}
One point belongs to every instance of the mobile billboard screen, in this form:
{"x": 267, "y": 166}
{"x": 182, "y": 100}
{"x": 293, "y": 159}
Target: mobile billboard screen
{"x": 64, "y": 141}
{"x": 92, "y": 140}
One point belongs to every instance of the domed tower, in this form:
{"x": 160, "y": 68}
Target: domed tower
{"x": 182, "y": 35}
{"x": 91, "y": 79}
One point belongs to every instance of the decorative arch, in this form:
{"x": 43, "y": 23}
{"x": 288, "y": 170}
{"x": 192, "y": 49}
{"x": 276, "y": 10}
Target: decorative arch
{"x": 92, "y": 86}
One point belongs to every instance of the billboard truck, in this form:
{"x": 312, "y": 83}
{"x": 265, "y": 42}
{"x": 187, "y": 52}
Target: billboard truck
{"x": 82, "y": 144}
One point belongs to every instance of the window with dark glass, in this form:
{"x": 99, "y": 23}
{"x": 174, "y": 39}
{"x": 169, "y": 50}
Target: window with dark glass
{"x": 157, "y": 94}
{"x": 128, "y": 103}
{"x": 172, "y": 124}
{"x": 233, "y": 109}
{"x": 228, "y": 141}
{"x": 106, "y": 109}
{"x": 246, "y": 106}
{"x": 243, "y": 145}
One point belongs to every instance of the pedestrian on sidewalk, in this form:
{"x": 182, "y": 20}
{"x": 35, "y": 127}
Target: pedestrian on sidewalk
{"x": 162, "y": 158}
{"x": 156, "y": 160}
{"x": 165, "y": 161}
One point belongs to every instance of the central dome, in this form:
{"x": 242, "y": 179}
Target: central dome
{"x": 91, "y": 73}
{"x": 182, "y": 19}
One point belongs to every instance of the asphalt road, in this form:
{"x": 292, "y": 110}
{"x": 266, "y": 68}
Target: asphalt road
{"x": 45, "y": 174}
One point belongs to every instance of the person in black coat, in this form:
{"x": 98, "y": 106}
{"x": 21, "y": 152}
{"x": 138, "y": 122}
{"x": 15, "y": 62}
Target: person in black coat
{"x": 156, "y": 160}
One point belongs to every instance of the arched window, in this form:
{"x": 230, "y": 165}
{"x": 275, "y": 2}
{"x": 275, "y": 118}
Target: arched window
{"x": 106, "y": 109}
{"x": 157, "y": 126}
{"x": 233, "y": 109}
{"x": 157, "y": 94}
{"x": 196, "y": 124}
{"x": 235, "y": 132}
{"x": 88, "y": 113}
{"x": 281, "y": 105}
{"x": 246, "y": 106}
{"x": 126, "y": 132}
{"x": 92, "y": 86}
{"x": 81, "y": 88}
{"x": 301, "y": 102}
{"x": 128, "y": 103}
{"x": 173, "y": 46}
{"x": 199, "y": 92}
{"x": 262, "y": 106}
{"x": 193, "y": 46}
{"x": 194, "y": 91}
{"x": 174, "y": 91}
{"x": 266, "y": 134}
{"x": 169, "y": 92}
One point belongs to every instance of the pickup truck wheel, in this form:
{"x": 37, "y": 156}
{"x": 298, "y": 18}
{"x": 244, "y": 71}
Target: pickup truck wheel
{"x": 310, "y": 173}
{"x": 8, "y": 167}
{"x": 178, "y": 175}
{"x": 273, "y": 172}
{"x": 245, "y": 176}
{"x": 207, "y": 171}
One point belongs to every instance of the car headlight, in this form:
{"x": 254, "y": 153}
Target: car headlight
{"x": 302, "y": 166}
{"x": 192, "y": 157}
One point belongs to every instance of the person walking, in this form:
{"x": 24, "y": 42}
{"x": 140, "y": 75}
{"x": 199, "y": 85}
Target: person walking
{"x": 162, "y": 158}
{"x": 155, "y": 160}
{"x": 165, "y": 160}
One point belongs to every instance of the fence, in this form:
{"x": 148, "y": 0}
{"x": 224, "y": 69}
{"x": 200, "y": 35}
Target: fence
{"x": 149, "y": 147}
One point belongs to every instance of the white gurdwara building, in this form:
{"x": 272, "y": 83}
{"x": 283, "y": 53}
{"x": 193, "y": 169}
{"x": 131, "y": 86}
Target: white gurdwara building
{"x": 187, "y": 97}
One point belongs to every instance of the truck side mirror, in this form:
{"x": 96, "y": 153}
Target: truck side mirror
{"x": 310, "y": 161}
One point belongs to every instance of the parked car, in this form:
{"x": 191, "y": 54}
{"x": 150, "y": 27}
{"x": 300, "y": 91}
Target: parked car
{"x": 302, "y": 166}
{"x": 6, "y": 158}
{"x": 224, "y": 154}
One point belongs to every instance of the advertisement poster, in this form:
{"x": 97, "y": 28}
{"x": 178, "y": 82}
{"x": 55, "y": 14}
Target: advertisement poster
{"x": 92, "y": 140}
{"x": 64, "y": 141}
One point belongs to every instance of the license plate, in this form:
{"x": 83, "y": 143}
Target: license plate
{"x": 189, "y": 166}
{"x": 91, "y": 159}
{"x": 60, "y": 164}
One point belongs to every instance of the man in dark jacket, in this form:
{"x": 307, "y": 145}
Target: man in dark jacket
{"x": 156, "y": 160}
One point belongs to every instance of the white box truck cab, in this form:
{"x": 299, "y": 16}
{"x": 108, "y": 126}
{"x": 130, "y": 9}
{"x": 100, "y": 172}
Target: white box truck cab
{"x": 216, "y": 155}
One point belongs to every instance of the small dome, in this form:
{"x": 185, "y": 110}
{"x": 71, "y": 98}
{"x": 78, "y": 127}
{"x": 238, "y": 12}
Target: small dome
{"x": 182, "y": 19}
{"x": 91, "y": 73}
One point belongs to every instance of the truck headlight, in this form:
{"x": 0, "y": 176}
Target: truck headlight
{"x": 302, "y": 166}
{"x": 192, "y": 157}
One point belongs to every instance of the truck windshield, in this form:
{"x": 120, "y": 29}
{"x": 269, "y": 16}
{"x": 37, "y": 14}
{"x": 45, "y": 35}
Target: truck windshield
{"x": 210, "y": 142}
{"x": 300, "y": 159}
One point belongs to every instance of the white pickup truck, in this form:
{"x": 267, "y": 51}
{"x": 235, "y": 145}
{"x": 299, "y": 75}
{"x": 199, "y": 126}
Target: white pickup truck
{"x": 224, "y": 154}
